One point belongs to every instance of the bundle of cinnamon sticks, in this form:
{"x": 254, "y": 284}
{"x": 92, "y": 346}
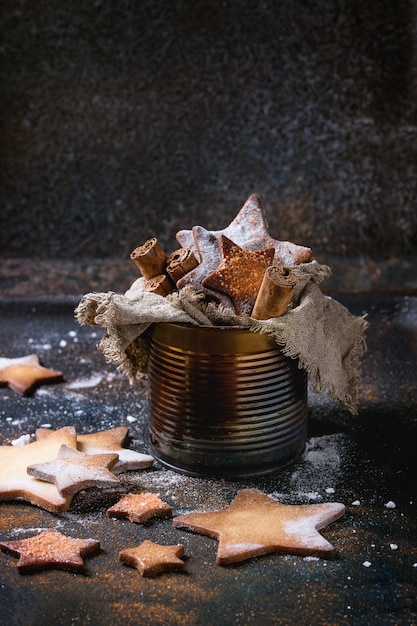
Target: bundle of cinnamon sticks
{"x": 162, "y": 271}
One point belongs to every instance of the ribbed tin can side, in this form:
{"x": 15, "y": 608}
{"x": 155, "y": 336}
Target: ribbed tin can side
{"x": 223, "y": 401}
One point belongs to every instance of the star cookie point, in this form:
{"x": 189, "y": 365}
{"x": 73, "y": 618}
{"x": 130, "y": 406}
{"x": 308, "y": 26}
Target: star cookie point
{"x": 24, "y": 374}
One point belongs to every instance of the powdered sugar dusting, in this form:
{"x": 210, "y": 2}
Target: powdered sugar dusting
{"x": 21, "y": 441}
{"x": 85, "y": 383}
{"x": 320, "y": 468}
{"x": 303, "y": 527}
{"x": 239, "y": 548}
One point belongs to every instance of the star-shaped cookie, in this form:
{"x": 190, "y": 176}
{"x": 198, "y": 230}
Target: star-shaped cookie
{"x": 15, "y": 482}
{"x": 140, "y": 507}
{"x": 72, "y": 470}
{"x": 249, "y": 230}
{"x": 25, "y": 373}
{"x": 151, "y": 558}
{"x": 50, "y": 550}
{"x": 240, "y": 274}
{"x": 108, "y": 441}
{"x": 255, "y": 524}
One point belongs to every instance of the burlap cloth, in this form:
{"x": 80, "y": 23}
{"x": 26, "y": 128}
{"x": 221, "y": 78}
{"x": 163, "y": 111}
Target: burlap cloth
{"x": 325, "y": 337}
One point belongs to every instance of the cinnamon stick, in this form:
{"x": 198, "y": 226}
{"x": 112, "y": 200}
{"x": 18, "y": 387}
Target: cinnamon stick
{"x": 275, "y": 292}
{"x": 180, "y": 262}
{"x": 159, "y": 284}
{"x": 149, "y": 258}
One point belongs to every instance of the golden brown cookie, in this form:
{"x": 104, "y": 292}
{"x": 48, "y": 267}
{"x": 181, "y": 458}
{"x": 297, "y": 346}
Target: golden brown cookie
{"x": 255, "y": 524}
{"x": 15, "y": 482}
{"x": 140, "y": 507}
{"x": 240, "y": 274}
{"x": 72, "y": 470}
{"x": 50, "y": 550}
{"x": 249, "y": 230}
{"x": 25, "y": 373}
{"x": 108, "y": 441}
{"x": 151, "y": 558}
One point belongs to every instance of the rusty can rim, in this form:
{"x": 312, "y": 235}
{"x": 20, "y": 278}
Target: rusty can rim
{"x": 211, "y": 339}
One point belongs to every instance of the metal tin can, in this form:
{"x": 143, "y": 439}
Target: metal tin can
{"x": 224, "y": 401}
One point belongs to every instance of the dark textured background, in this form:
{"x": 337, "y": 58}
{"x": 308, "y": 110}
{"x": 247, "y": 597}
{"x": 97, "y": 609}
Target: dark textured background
{"x": 123, "y": 120}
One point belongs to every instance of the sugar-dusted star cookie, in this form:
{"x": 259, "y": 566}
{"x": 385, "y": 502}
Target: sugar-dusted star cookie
{"x": 140, "y": 507}
{"x": 50, "y": 550}
{"x": 25, "y": 373}
{"x": 72, "y": 470}
{"x": 151, "y": 558}
{"x": 108, "y": 441}
{"x": 240, "y": 274}
{"x": 17, "y": 484}
{"x": 249, "y": 230}
{"x": 255, "y": 524}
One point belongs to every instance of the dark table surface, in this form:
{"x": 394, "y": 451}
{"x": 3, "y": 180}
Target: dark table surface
{"x": 364, "y": 461}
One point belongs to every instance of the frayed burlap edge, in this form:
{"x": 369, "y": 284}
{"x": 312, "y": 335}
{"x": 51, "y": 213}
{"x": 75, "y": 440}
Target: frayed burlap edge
{"x": 330, "y": 352}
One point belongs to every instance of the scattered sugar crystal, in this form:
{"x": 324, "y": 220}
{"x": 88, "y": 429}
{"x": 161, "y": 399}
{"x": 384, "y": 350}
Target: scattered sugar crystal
{"x": 390, "y": 505}
{"x": 72, "y": 333}
{"x": 46, "y": 425}
{"x": 330, "y": 490}
{"x": 393, "y": 546}
{"x": 46, "y": 346}
{"x": 131, "y": 419}
{"x": 356, "y": 503}
{"x": 367, "y": 564}
{"x": 311, "y": 558}
{"x": 84, "y": 383}
{"x": 62, "y": 343}
{"x": 31, "y": 530}
{"x": 21, "y": 441}
{"x": 42, "y": 392}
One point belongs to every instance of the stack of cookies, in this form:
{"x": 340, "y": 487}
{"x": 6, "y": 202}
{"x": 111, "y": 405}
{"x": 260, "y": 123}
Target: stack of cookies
{"x": 232, "y": 266}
